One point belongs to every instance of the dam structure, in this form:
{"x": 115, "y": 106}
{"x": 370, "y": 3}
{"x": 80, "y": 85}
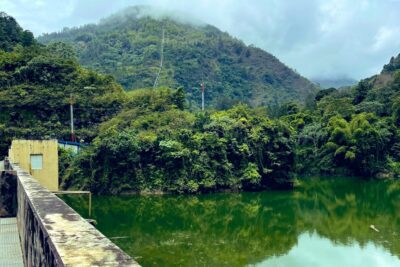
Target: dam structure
{"x": 39, "y": 229}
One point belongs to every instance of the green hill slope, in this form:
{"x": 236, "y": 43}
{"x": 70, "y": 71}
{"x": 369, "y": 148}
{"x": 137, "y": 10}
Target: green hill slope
{"x": 379, "y": 93}
{"x": 12, "y": 34}
{"x": 36, "y": 83}
{"x": 128, "y": 44}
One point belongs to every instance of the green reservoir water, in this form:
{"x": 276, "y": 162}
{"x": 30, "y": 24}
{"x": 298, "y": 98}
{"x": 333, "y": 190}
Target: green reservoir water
{"x": 325, "y": 222}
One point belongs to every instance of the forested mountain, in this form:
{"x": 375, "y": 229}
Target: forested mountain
{"x": 149, "y": 139}
{"x": 36, "y": 85}
{"x": 351, "y": 131}
{"x": 128, "y": 44}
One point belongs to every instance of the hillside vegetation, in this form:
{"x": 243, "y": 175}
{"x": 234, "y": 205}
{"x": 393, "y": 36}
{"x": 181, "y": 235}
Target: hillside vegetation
{"x": 149, "y": 140}
{"x": 154, "y": 144}
{"x": 36, "y": 85}
{"x": 12, "y": 34}
{"x": 127, "y": 45}
{"x": 354, "y": 130}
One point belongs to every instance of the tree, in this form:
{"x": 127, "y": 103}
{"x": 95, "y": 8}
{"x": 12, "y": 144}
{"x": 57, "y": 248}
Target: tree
{"x": 361, "y": 91}
{"x": 396, "y": 111}
{"x": 360, "y": 145}
{"x": 322, "y": 93}
{"x": 178, "y": 98}
{"x": 11, "y": 34}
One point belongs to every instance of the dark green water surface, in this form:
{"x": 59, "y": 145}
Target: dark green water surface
{"x": 325, "y": 222}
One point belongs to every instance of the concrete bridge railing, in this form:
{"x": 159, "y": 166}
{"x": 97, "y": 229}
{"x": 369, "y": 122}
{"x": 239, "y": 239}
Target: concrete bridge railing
{"x": 53, "y": 234}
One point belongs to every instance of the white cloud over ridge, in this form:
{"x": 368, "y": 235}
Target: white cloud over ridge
{"x": 318, "y": 38}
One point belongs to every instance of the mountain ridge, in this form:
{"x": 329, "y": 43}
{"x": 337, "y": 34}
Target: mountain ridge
{"x": 127, "y": 46}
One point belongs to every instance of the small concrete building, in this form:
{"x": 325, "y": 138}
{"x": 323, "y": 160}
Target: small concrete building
{"x": 39, "y": 158}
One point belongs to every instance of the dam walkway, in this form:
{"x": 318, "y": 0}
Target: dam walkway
{"x": 39, "y": 229}
{"x": 10, "y": 244}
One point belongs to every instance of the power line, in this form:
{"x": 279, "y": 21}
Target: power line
{"x": 89, "y": 108}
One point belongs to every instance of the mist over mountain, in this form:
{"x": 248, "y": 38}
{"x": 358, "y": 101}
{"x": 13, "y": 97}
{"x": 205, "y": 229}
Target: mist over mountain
{"x": 337, "y": 82}
{"x": 127, "y": 45}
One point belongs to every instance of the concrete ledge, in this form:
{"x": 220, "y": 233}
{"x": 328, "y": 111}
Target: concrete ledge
{"x": 53, "y": 234}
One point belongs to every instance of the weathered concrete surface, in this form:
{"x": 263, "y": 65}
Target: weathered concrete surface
{"x": 21, "y": 152}
{"x": 53, "y": 234}
{"x": 8, "y": 194}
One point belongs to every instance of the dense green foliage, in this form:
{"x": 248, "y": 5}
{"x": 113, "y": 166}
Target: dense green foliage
{"x": 150, "y": 139}
{"x": 36, "y": 83}
{"x": 12, "y": 34}
{"x": 154, "y": 145}
{"x": 352, "y": 131}
{"x": 127, "y": 45}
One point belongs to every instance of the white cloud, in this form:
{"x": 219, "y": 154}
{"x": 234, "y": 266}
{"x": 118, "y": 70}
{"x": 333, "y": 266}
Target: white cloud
{"x": 386, "y": 37}
{"x": 316, "y": 37}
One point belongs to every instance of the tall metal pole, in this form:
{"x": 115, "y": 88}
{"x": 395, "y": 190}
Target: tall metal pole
{"x": 161, "y": 59}
{"x": 202, "y": 96}
{"x": 71, "y": 108}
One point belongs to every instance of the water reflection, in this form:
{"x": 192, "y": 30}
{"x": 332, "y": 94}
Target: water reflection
{"x": 331, "y": 254}
{"x": 265, "y": 229}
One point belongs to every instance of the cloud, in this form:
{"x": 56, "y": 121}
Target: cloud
{"x": 386, "y": 37}
{"x": 318, "y": 38}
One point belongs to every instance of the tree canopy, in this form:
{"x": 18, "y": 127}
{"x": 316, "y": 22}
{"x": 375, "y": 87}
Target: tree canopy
{"x": 36, "y": 87}
{"x": 12, "y": 34}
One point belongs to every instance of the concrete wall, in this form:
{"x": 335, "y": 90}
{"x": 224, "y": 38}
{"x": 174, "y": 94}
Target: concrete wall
{"x": 21, "y": 151}
{"x": 53, "y": 234}
{"x": 8, "y": 194}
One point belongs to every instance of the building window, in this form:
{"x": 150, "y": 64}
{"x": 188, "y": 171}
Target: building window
{"x": 36, "y": 161}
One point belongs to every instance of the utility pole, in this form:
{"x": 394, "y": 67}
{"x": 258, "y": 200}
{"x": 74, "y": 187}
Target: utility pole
{"x": 71, "y": 108}
{"x": 202, "y": 96}
{"x": 161, "y": 59}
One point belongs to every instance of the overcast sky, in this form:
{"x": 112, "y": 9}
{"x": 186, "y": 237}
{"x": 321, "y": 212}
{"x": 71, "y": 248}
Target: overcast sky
{"x": 318, "y": 38}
